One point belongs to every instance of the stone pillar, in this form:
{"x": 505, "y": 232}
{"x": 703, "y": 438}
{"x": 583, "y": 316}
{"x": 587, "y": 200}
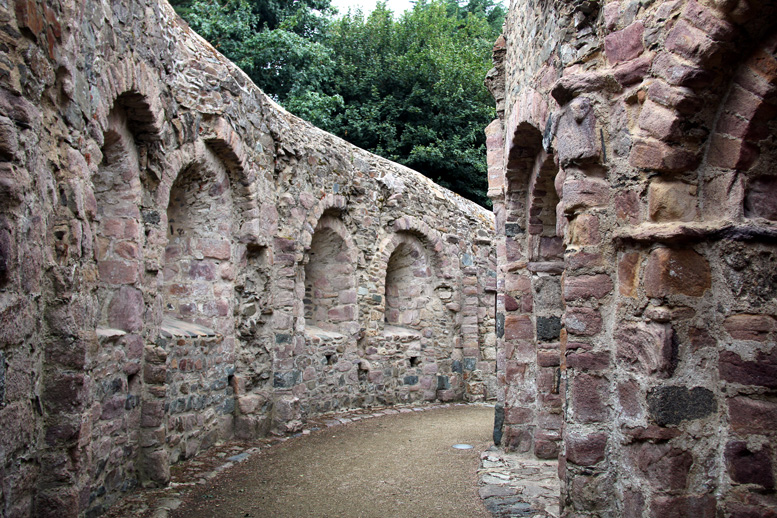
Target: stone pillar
{"x": 586, "y": 471}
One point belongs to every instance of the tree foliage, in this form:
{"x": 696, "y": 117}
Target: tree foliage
{"x": 409, "y": 88}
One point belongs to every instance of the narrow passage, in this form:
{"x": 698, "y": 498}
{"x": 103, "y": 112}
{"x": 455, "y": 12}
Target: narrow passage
{"x": 400, "y": 465}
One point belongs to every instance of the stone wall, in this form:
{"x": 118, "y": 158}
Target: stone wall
{"x": 182, "y": 261}
{"x": 638, "y": 342}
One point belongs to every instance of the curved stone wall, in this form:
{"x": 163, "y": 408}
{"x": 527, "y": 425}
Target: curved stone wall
{"x": 158, "y": 218}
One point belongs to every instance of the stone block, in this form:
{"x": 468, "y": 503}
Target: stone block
{"x": 730, "y": 153}
{"x": 547, "y": 292}
{"x": 747, "y": 466}
{"x": 582, "y": 321}
{"x": 588, "y": 361}
{"x": 126, "y": 310}
{"x": 646, "y": 348}
{"x": 680, "y": 72}
{"x": 589, "y": 399}
{"x": 546, "y": 449}
{"x": 672, "y": 201}
{"x": 673, "y": 272}
{"x": 704, "y": 506}
{"x": 660, "y": 122}
{"x": 517, "y": 439}
{"x": 633, "y": 71}
{"x": 671, "y": 405}
{"x": 548, "y": 359}
{"x": 627, "y": 207}
{"x": 577, "y": 260}
{"x": 709, "y": 21}
{"x": 586, "y": 450}
{"x": 518, "y": 327}
{"x": 664, "y": 467}
{"x": 548, "y": 328}
{"x": 752, "y": 416}
{"x": 64, "y": 392}
{"x": 628, "y": 274}
{"x": 633, "y": 504}
{"x": 9, "y": 144}
{"x": 118, "y": 272}
{"x": 629, "y": 397}
{"x": 662, "y": 157}
{"x": 155, "y": 466}
{"x": 587, "y": 286}
{"x": 760, "y": 373}
{"x": 626, "y": 44}
{"x": 519, "y": 415}
{"x": 577, "y": 140}
{"x": 689, "y": 42}
{"x": 683, "y": 100}
{"x": 584, "y": 231}
{"x": 761, "y": 198}
{"x": 584, "y": 194}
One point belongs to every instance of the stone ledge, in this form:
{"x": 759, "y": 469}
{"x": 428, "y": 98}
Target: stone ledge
{"x": 697, "y": 231}
{"x": 172, "y": 328}
{"x": 322, "y": 334}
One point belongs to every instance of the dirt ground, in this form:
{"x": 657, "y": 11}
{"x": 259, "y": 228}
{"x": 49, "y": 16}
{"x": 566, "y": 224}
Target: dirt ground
{"x": 400, "y": 465}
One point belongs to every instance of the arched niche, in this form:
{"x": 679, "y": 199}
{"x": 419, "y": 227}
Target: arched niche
{"x": 411, "y": 284}
{"x": 118, "y": 227}
{"x": 330, "y": 282}
{"x": 545, "y": 243}
{"x": 197, "y": 261}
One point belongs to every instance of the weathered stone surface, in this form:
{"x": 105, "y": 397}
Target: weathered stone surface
{"x": 671, "y": 271}
{"x": 587, "y": 286}
{"x": 761, "y": 198}
{"x": 762, "y": 372}
{"x": 675, "y": 210}
{"x": 548, "y": 328}
{"x": 625, "y": 44}
{"x": 577, "y": 139}
{"x": 750, "y": 467}
{"x": 659, "y": 156}
{"x": 589, "y": 398}
{"x": 752, "y": 416}
{"x": 586, "y": 450}
{"x": 646, "y": 348}
{"x": 583, "y": 321}
{"x": 670, "y": 405}
{"x": 672, "y": 201}
{"x": 679, "y": 506}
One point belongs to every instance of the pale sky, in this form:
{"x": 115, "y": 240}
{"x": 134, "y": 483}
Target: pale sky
{"x": 398, "y": 6}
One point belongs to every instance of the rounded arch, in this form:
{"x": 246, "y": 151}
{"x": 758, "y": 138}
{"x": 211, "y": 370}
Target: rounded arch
{"x": 134, "y": 85}
{"x": 226, "y": 144}
{"x": 404, "y": 226}
{"x": 740, "y": 156}
{"x": 332, "y": 204}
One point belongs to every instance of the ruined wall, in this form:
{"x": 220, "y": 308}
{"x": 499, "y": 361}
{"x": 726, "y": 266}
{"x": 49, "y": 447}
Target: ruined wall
{"x": 638, "y": 338}
{"x": 182, "y": 261}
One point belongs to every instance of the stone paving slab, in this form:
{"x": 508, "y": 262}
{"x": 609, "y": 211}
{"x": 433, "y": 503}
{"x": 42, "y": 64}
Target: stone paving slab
{"x": 518, "y": 485}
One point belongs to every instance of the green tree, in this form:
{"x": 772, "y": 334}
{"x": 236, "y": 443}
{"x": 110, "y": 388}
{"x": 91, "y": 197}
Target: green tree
{"x": 409, "y": 88}
{"x": 276, "y": 43}
{"x": 412, "y": 89}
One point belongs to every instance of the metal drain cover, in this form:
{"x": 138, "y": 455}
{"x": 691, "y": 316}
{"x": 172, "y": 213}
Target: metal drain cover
{"x": 463, "y": 446}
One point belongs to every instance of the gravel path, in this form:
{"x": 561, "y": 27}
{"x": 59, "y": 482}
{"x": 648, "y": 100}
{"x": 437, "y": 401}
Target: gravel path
{"x": 401, "y": 465}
